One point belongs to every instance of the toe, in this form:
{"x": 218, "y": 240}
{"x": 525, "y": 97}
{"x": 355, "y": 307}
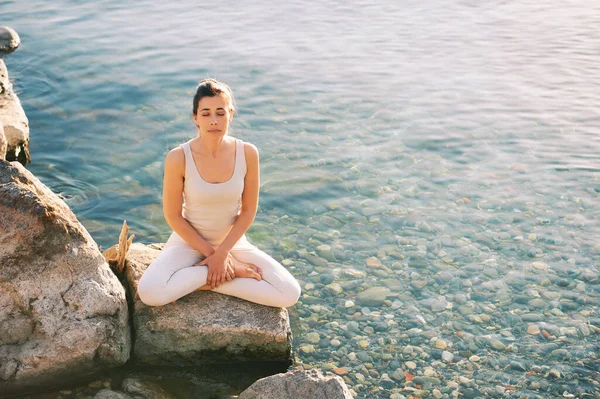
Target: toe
{"x": 255, "y": 268}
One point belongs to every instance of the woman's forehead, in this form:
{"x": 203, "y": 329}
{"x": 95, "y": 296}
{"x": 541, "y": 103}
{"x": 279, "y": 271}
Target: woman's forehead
{"x": 219, "y": 101}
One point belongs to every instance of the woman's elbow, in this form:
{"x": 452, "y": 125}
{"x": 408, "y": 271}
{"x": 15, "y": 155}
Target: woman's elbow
{"x": 248, "y": 213}
{"x": 173, "y": 219}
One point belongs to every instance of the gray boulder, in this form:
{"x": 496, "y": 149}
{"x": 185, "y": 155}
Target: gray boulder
{"x": 203, "y": 327}
{"x": 298, "y": 384}
{"x": 9, "y": 40}
{"x": 63, "y": 313}
{"x": 14, "y": 121}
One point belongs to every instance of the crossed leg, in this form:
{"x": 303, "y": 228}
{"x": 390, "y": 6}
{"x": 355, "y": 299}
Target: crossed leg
{"x": 240, "y": 270}
{"x": 173, "y": 275}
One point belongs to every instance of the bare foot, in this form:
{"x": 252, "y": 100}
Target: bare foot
{"x": 246, "y": 270}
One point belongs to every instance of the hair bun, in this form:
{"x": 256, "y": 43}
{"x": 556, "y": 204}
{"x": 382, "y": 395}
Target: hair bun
{"x": 205, "y": 80}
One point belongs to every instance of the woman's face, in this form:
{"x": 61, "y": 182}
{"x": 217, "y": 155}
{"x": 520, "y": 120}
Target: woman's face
{"x": 214, "y": 115}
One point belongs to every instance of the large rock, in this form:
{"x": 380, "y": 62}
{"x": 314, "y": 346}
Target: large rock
{"x": 63, "y": 313}
{"x": 298, "y": 384}
{"x": 9, "y": 40}
{"x": 203, "y": 327}
{"x": 14, "y": 121}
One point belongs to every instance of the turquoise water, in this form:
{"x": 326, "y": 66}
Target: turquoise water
{"x": 454, "y": 142}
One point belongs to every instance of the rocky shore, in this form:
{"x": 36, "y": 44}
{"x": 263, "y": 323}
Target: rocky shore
{"x": 67, "y": 319}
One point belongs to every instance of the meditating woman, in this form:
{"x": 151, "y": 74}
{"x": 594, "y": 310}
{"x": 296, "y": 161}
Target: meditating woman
{"x": 210, "y": 198}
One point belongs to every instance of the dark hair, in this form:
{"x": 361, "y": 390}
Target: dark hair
{"x": 209, "y": 88}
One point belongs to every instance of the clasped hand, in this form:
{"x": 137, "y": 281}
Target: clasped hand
{"x": 220, "y": 268}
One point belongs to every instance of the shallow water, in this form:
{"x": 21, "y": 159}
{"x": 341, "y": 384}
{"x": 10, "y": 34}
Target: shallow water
{"x": 454, "y": 142}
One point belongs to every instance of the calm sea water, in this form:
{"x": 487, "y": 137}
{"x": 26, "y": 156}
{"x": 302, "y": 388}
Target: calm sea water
{"x": 441, "y": 156}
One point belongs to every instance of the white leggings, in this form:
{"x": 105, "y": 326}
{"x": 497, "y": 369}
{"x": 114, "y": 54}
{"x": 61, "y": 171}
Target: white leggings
{"x": 173, "y": 274}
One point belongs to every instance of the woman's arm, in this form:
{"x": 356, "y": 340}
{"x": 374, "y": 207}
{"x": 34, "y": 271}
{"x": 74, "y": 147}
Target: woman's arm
{"x": 173, "y": 199}
{"x": 249, "y": 201}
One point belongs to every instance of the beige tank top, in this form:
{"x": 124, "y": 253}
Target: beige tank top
{"x": 212, "y": 208}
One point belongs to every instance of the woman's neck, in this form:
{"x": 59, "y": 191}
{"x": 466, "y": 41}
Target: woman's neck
{"x": 211, "y": 145}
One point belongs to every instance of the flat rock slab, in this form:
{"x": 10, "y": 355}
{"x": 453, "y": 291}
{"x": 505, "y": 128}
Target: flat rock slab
{"x": 203, "y": 327}
{"x": 298, "y": 384}
{"x": 14, "y": 121}
{"x": 63, "y": 313}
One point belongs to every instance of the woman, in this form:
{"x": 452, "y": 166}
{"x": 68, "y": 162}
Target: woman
{"x": 216, "y": 177}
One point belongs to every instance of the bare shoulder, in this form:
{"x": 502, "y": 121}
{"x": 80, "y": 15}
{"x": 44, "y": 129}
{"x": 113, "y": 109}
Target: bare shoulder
{"x": 250, "y": 151}
{"x": 175, "y": 159}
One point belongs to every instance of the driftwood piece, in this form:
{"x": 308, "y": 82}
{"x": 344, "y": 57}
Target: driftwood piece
{"x": 115, "y": 255}
{"x": 3, "y": 143}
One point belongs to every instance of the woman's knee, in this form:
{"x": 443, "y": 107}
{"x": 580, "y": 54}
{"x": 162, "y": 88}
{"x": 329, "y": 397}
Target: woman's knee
{"x": 291, "y": 294}
{"x": 148, "y": 292}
